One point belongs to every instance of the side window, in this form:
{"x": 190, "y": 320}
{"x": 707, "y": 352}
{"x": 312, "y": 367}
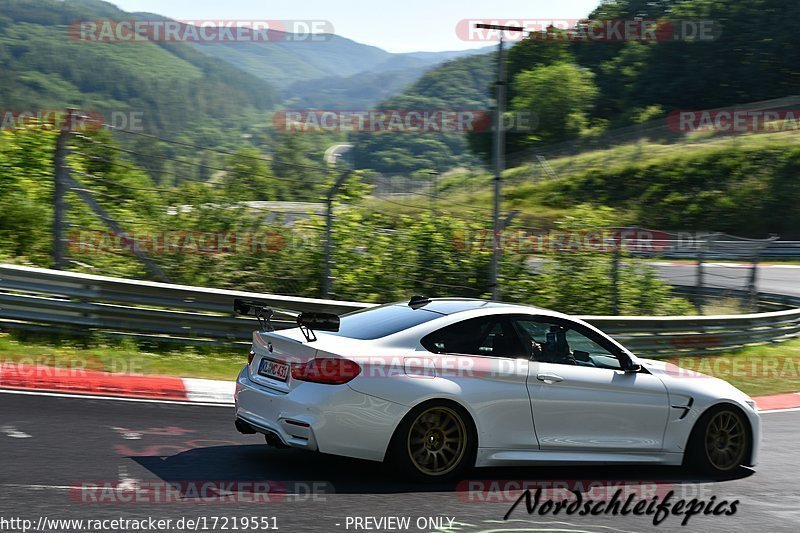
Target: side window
{"x": 562, "y": 343}
{"x": 491, "y": 336}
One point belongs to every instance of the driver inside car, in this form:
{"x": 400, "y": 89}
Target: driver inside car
{"x": 555, "y": 349}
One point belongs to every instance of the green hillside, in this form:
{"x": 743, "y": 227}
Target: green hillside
{"x": 581, "y": 89}
{"x": 745, "y": 185}
{"x": 282, "y": 63}
{"x": 173, "y": 85}
{"x": 336, "y": 73}
{"x": 458, "y": 84}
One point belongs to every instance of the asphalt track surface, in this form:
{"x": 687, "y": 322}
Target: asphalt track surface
{"x": 49, "y": 444}
{"x": 780, "y": 279}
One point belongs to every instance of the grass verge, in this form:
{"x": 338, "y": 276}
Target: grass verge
{"x": 758, "y": 370}
{"x": 123, "y": 356}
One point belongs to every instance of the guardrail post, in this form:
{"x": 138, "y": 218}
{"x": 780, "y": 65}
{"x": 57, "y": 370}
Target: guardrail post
{"x": 700, "y": 298}
{"x": 752, "y": 286}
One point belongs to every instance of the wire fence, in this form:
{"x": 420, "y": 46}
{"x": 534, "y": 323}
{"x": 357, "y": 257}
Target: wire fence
{"x": 177, "y": 222}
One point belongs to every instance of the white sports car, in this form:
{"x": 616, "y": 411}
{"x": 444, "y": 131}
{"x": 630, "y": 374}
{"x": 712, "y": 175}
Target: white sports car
{"x": 438, "y": 385}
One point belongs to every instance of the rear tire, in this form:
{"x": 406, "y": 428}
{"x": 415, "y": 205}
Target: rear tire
{"x": 434, "y": 442}
{"x": 720, "y": 441}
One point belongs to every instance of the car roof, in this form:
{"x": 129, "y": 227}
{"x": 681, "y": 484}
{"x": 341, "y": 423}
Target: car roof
{"x": 449, "y": 306}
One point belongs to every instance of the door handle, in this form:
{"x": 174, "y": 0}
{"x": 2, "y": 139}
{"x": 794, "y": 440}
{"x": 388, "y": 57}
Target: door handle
{"x": 549, "y": 378}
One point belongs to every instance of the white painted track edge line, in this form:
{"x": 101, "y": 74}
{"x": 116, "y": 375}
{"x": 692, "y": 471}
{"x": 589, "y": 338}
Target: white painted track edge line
{"x": 115, "y": 398}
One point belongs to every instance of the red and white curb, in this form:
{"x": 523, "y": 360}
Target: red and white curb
{"x": 189, "y": 390}
{"x": 778, "y": 402}
{"x": 90, "y": 382}
{"x": 210, "y": 391}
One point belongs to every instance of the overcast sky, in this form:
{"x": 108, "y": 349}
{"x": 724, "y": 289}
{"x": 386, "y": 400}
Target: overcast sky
{"x": 396, "y": 26}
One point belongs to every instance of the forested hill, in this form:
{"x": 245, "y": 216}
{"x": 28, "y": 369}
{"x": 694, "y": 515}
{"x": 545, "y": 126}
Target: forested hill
{"x": 579, "y": 89}
{"x": 174, "y": 85}
{"x": 463, "y": 83}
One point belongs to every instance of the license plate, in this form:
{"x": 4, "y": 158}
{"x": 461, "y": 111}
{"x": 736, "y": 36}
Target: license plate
{"x": 273, "y": 370}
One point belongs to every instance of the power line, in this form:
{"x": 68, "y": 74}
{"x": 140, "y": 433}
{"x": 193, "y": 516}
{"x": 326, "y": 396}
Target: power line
{"x": 171, "y": 173}
{"x": 449, "y": 202}
{"x": 223, "y": 152}
{"x": 124, "y": 186}
{"x": 182, "y": 161}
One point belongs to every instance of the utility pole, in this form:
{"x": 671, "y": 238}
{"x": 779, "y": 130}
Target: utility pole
{"x": 498, "y": 153}
{"x": 60, "y": 178}
{"x": 434, "y": 194}
{"x": 326, "y": 277}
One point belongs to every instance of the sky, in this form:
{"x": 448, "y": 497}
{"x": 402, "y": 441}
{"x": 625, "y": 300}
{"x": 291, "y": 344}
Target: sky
{"x": 395, "y": 26}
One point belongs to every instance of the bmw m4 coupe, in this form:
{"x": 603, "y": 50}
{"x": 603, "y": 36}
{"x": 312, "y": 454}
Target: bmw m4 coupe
{"x": 439, "y": 385}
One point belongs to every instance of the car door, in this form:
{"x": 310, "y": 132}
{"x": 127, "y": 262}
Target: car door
{"x": 581, "y": 397}
{"x": 488, "y": 365}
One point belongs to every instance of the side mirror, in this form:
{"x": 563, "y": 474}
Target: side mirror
{"x": 633, "y": 368}
{"x": 581, "y": 355}
{"x": 319, "y": 321}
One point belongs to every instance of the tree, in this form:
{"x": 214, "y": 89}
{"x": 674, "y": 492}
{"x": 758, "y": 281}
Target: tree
{"x": 560, "y": 96}
{"x": 579, "y": 279}
{"x": 249, "y": 178}
{"x": 300, "y": 175}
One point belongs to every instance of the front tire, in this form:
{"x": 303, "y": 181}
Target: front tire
{"x": 434, "y": 443}
{"x": 720, "y": 441}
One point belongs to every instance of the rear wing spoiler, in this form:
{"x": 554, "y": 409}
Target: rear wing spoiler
{"x": 306, "y": 321}
{"x": 261, "y": 310}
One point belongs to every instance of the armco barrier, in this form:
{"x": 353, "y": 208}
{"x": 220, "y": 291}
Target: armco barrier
{"x": 51, "y": 300}
{"x": 55, "y": 301}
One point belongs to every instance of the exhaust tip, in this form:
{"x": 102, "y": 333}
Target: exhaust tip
{"x": 244, "y": 427}
{"x": 275, "y": 441}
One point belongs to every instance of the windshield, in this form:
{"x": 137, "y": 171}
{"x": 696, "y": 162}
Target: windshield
{"x": 377, "y": 322}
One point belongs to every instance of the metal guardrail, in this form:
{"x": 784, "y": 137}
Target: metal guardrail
{"x": 782, "y": 249}
{"x": 773, "y": 250}
{"x": 52, "y": 300}
{"x": 55, "y": 301}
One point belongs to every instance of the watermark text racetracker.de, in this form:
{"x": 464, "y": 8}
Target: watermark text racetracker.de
{"x": 200, "y": 31}
{"x": 154, "y": 492}
{"x": 82, "y": 121}
{"x": 11, "y": 119}
{"x": 602, "y": 240}
{"x": 417, "y": 121}
{"x": 588, "y": 30}
{"x": 734, "y": 120}
{"x": 35, "y": 368}
{"x": 148, "y": 523}
{"x": 176, "y": 242}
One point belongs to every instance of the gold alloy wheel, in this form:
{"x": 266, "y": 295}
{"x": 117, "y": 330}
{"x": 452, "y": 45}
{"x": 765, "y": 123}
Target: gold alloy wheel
{"x": 437, "y": 441}
{"x": 725, "y": 441}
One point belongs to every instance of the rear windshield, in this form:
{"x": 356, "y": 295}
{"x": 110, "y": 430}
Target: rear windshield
{"x": 377, "y": 322}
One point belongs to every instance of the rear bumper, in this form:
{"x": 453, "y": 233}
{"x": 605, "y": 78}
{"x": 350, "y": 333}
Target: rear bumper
{"x": 331, "y": 419}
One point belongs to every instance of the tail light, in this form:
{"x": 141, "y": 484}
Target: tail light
{"x": 250, "y": 357}
{"x": 327, "y": 370}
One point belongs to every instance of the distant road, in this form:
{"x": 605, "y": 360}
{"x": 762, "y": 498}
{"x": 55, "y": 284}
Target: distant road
{"x": 781, "y": 279}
